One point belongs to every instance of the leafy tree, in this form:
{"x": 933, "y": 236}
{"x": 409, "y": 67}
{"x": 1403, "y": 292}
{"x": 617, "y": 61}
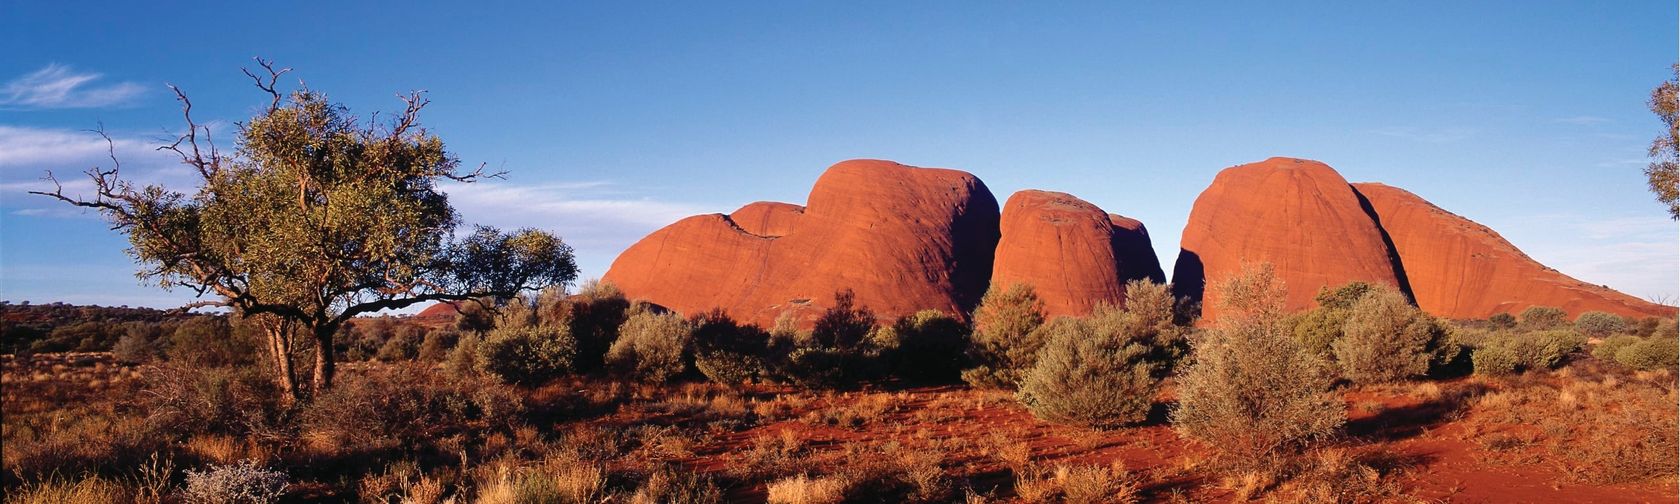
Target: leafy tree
{"x": 316, "y": 218}
{"x": 1663, "y": 174}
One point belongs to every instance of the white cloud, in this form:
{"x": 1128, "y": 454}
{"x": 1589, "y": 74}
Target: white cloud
{"x": 593, "y": 216}
{"x": 26, "y": 154}
{"x": 1633, "y": 254}
{"x": 59, "y": 86}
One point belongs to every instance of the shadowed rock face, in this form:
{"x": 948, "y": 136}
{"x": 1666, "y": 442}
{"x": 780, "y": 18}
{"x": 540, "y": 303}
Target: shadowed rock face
{"x": 1296, "y": 214}
{"x": 1072, "y": 253}
{"x": 903, "y": 238}
{"x": 1461, "y": 269}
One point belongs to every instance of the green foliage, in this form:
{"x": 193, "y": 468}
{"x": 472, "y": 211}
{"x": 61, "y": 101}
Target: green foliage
{"x": 1607, "y": 349}
{"x": 140, "y": 344}
{"x": 474, "y": 316}
{"x": 926, "y": 346}
{"x": 1085, "y": 375}
{"x": 1650, "y": 353}
{"x": 1543, "y": 317}
{"x": 727, "y": 352}
{"x": 1502, "y": 321}
{"x": 1006, "y": 336}
{"x": 1344, "y": 297}
{"x": 1597, "y": 324}
{"x": 527, "y": 355}
{"x": 1386, "y": 339}
{"x": 1251, "y": 392}
{"x": 212, "y": 342}
{"x": 839, "y": 352}
{"x": 1663, "y": 174}
{"x": 650, "y": 346}
{"x": 403, "y": 345}
{"x": 407, "y": 407}
{"x": 1497, "y": 360}
{"x": 438, "y": 343}
{"x": 595, "y": 315}
{"x": 463, "y": 359}
{"x": 1319, "y": 328}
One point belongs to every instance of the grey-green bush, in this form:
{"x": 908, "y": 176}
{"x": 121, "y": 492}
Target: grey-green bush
{"x": 926, "y": 346}
{"x": 1543, "y": 317}
{"x": 1502, "y": 321}
{"x": 1251, "y": 392}
{"x": 1650, "y": 353}
{"x": 1606, "y": 350}
{"x": 438, "y": 343}
{"x": 527, "y": 355}
{"x": 650, "y": 346}
{"x": 1495, "y": 360}
{"x": 1006, "y": 336}
{"x": 1386, "y": 339}
{"x": 1319, "y": 328}
{"x": 727, "y": 352}
{"x": 1505, "y": 352}
{"x": 1089, "y": 377}
{"x": 1597, "y": 324}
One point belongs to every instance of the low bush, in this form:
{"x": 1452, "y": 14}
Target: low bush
{"x": 1597, "y": 324}
{"x": 1251, "y": 392}
{"x": 527, "y": 355}
{"x": 241, "y": 401}
{"x": 241, "y": 483}
{"x": 135, "y": 348}
{"x": 1006, "y": 336}
{"x": 1386, "y": 339}
{"x": 924, "y": 347}
{"x": 1088, "y": 377}
{"x": 1317, "y": 329}
{"x": 438, "y": 343}
{"x": 839, "y": 353}
{"x": 1606, "y": 350}
{"x": 406, "y": 406}
{"x": 403, "y": 345}
{"x": 1506, "y": 352}
{"x": 1650, "y": 353}
{"x": 594, "y": 316}
{"x": 1502, "y": 321}
{"x": 1543, "y": 317}
{"x": 727, "y": 352}
{"x": 1495, "y": 360}
{"x": 650, "y": 347}
{"x": 212, "y": 342}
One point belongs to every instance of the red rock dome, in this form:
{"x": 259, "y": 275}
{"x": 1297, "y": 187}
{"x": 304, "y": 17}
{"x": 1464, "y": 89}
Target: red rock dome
{"x": 902, "y": 238}
{"x": 1074, "y": 254}
{"x": 1463, "y": 270}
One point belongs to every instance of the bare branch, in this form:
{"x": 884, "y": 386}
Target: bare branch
{"x": 206, "y": 168}
{"x": 273, "y": 77}
{"x": 476, "y": 175}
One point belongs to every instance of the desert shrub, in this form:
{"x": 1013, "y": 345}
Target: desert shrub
{"x": 1006, "y": 340}
{"x": 475, "y": 316}
{"x": 1317, "y": 329}
{"x": 241, "y": 483}
{"x": 527, "y": 355}
{"x": 242, "y": 401}
{"x": 650, "y": 347}
{"x": 1081, "y": 484}
{"x": 403, "y": 345}
{"x": 1502, "y": 321}
{"x": 463, "y": 359}
{"x": 1151, "y": 316}
{"x": 1597, "y": 324}
{"x": 73, "y": 441}
{"x": 1495, "y": 360}
{"x": 1345, "y": 296}
{"x": 1386, "y": 339}
{"x": 1547, "y": 349}
{"x": 839, "y": 352}
{"x": 1666, "y": 328}
{"x": 1650, "y": 353}
{"x": 1253, "y": 293}
{"x": 926, "y": 346}
{"x": 438, "y": 343}
{"x": 1085, "y": 376}
{"x": 727, "y": 352}
{"x": 135, "y": 348}
{"x": 1543, "y": 317}
{"x": 408, "y": 406}
{"x": 594, "y": 316}
{"x": 212, "y": 341}
{"x": 667, "y": 486}
{"x": 1606, "y": 350}
{"x": 1251, "y": 392}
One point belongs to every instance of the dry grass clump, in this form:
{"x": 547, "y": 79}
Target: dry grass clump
{"x": 1083, "y": 484}
{"x": 670, "y": 486}
{"x": 1609, "y": 430}
{"x": 803, "y": 489}
{"x": 89, "y": 490}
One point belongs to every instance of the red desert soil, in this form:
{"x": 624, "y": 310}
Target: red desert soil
{"x": 903, "y": 238}
{"x": 1297, "y": 214}
{"x": 1463, "y": 270}
{"x": 1073, "y": 253}
{"x": 1430, "y": 456}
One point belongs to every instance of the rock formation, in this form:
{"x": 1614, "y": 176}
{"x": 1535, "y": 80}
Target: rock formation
{"x": 902, "y": 238}
{"x": 1463, "y": 270}
{"x": 1296, "y": 214}
{"x": 1071, "y": 252}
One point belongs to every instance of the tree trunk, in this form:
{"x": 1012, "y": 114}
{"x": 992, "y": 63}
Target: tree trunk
{"x": 280, "y": 347}
{"x": 324, "y": 357}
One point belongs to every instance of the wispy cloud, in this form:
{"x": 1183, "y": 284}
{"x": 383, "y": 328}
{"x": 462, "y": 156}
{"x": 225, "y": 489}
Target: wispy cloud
{"x": 1582, "y": 120}
{"x": 1634, "y": 254}
{"x": 26, "y": 154}
{"x": 59, "y": 86}
{"x": 589, "y": 215}
{"x": 1429, "y": 135}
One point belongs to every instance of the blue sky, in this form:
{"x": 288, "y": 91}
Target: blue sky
{"x": 1528, "y": 117}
